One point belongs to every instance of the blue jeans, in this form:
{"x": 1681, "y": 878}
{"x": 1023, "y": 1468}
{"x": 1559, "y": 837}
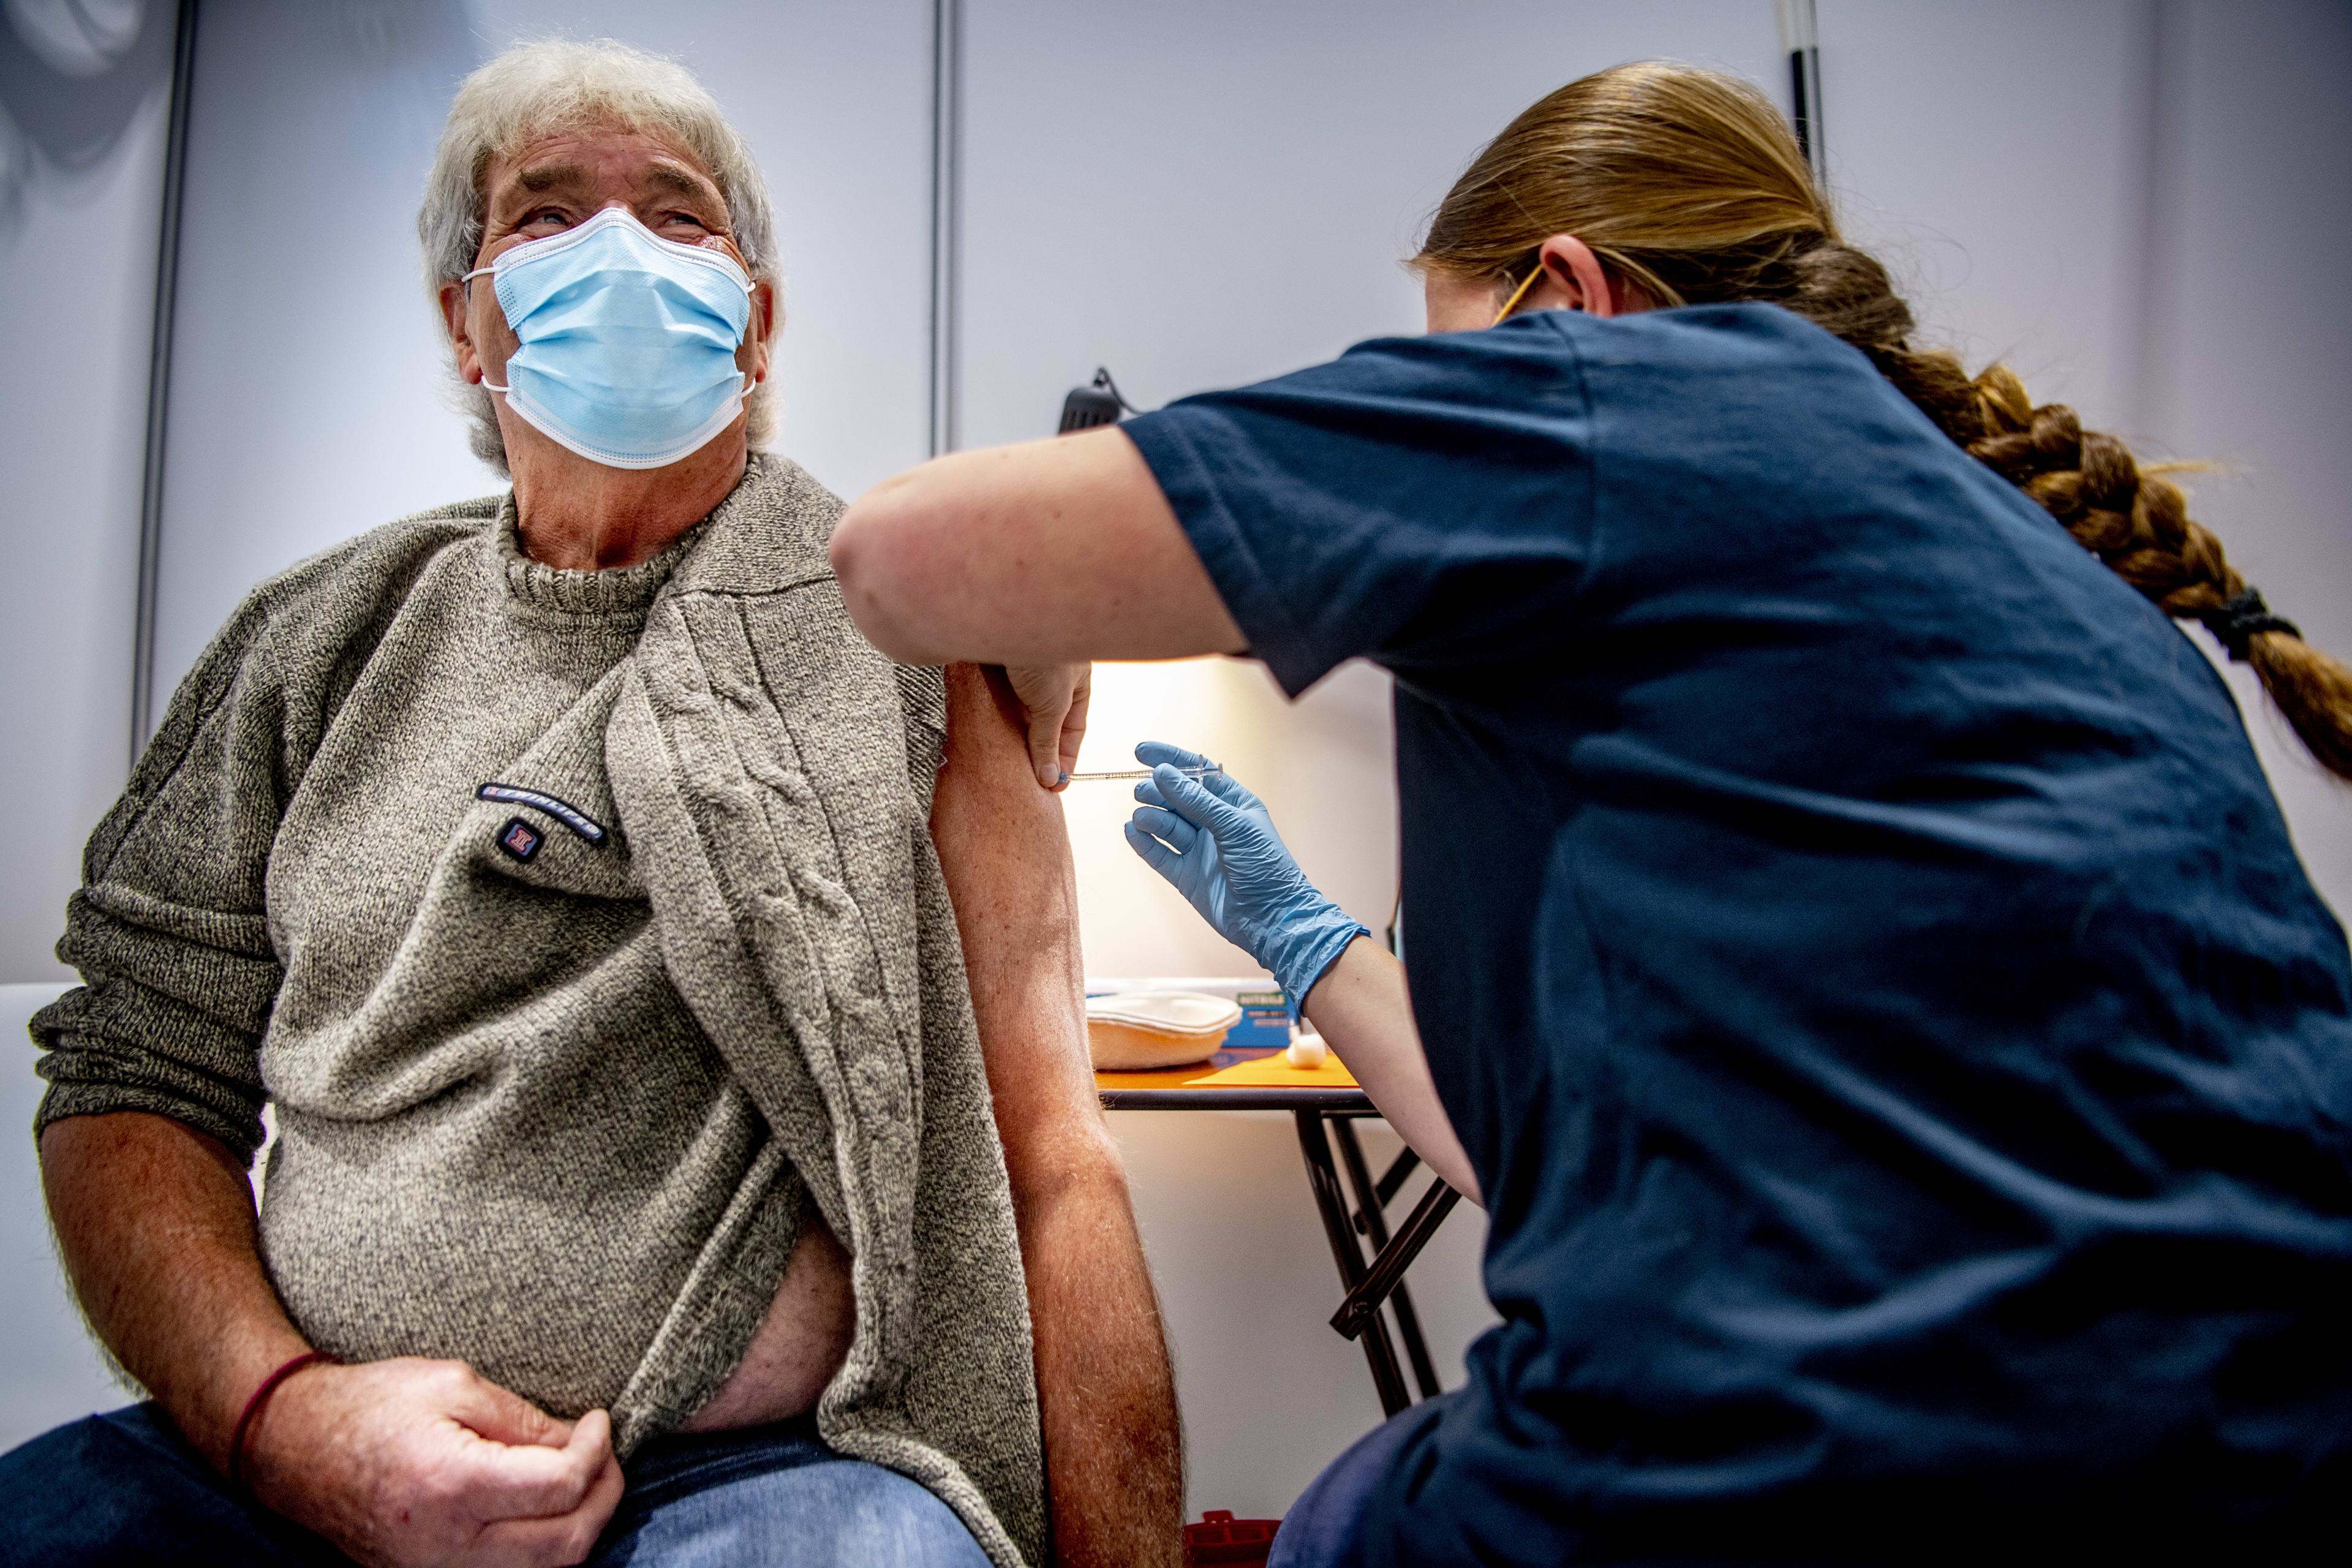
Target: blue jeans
{"x": 124, "y": 1488}
{"x": 1321, "y": 1529}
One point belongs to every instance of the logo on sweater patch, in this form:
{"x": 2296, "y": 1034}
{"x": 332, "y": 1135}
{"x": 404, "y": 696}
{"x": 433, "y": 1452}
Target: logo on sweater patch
{"x": 519, "y": 838}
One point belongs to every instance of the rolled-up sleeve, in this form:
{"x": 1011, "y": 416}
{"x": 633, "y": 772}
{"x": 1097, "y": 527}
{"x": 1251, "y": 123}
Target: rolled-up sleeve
{"x": 169, "y": 929}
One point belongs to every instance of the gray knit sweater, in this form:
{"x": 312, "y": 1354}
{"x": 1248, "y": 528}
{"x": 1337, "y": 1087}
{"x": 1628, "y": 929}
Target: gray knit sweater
{"x": 557, "y": 1064}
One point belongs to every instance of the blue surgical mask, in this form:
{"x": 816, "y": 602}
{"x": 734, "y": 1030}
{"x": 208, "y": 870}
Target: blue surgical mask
{"x": 628, "y": 340}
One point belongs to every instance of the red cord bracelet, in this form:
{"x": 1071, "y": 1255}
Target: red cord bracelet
{"x": 253, "y": 1407}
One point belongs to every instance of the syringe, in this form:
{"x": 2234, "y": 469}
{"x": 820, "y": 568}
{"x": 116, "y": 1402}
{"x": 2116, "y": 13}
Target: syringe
{"x": 1192, "y": 773}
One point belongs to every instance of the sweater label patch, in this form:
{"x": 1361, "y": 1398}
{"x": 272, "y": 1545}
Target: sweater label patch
{"x": 520, "y": 839}
{"x": 572, "y": 816}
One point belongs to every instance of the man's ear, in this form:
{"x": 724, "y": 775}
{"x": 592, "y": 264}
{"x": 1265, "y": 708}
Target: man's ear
{"x": 454, "y": 315}
{"x": 762, "y": 332}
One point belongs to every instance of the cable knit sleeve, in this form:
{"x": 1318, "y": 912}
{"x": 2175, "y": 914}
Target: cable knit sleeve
{"x": 169, "y": 929}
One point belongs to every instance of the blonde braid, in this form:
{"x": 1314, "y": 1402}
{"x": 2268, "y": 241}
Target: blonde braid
{"x": 1688, "y": 182}
{"x": 2136, "y": 522}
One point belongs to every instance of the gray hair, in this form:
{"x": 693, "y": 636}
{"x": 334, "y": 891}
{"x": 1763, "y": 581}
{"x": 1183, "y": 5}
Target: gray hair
{"x": 558, "y": 84}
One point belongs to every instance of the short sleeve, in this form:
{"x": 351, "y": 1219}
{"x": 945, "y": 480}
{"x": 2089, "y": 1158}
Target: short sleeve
{"x": 1425, "y": 502}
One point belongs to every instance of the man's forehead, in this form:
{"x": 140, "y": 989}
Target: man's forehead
{"x": 571, "y": 161}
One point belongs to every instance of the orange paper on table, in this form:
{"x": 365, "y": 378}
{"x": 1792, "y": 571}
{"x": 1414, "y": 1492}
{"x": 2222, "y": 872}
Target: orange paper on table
{"x": 1276, "y": 1073}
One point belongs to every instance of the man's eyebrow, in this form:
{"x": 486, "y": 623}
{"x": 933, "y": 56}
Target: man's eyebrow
{"x": 547, "y": 176}
{"x": 671, "y": 177}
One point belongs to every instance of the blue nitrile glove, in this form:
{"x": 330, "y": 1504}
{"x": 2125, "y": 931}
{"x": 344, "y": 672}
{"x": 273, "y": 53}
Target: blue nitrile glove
{"x": 1214, "y": 842}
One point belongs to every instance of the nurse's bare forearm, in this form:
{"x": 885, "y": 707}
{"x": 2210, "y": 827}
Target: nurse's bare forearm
{"x": 156, "y": 1223}
{"x": 1113, "y": 1459}
{"x": 1054, "y": 551}
{"x": 1364, "y": 1013}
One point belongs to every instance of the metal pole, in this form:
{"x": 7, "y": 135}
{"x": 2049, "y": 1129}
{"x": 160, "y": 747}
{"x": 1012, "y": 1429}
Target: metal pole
{"x": 947, "y": 215}
{"x": 1801, "y": 42}
{"x": 159, "y": 384}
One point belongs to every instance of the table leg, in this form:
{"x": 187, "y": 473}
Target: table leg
{"x": 1393, "y": 1179}
{"x": 1323, "y": 1180}
{"x": 1362, "y": 1305}
{"x": 1376, "y": 1229}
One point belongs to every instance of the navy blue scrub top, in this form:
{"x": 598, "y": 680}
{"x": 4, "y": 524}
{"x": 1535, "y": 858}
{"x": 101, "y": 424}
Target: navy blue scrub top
{"x": 1907, "y": 1066}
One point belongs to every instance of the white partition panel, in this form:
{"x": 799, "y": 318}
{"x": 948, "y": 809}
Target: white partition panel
{"x": 81, "y": 173}
{"x": 1995, "y": 156}
{"x": 51, "y": 1371}
{"x": 2250, "y": 329}
{"x": 1205, "y": 195}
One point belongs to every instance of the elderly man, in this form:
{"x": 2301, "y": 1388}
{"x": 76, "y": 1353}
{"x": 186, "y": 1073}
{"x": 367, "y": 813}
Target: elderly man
{"x": 670, "y": 1007}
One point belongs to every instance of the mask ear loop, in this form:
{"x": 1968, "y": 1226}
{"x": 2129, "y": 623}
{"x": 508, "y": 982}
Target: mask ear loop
{"x": 1516, "y": 295}
{"x": 467, "y": 282}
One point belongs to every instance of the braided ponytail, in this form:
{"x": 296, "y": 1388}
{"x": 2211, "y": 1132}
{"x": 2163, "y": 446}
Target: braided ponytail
{"x": 1688, "y": 183}
{"x": 2137, "y": 522}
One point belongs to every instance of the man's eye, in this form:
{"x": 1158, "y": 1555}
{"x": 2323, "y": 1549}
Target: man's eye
{"x": 684, "y": 217}
{"x": 547, "y": 215}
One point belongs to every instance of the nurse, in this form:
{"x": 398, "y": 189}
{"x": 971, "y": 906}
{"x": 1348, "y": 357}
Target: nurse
{"x": 1855, "y": 955}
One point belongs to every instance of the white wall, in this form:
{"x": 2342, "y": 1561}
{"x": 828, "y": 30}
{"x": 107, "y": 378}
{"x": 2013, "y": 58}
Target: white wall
{"x": 1269, "y": 1393}
{"x": 304, "y": 403}
{"x": 77, "y": 303}
{"x": 2250, "y": 334}
{"x": 2009, "y": 212}
{"x": 49, "y": 1371}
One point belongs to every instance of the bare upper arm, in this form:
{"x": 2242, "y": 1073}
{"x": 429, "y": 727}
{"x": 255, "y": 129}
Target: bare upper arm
{"x": 1047, "y": 552}
{"x": 1006, "y": 855}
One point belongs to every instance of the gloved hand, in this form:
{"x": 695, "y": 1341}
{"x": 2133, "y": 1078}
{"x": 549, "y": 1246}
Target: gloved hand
{"x": 1215, "y": 843}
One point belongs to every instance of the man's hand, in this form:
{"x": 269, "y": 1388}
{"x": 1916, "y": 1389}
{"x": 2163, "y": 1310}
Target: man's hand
{"x": 397, "y": 1462}
{"x": 409, "y": 1463}
{"x": 1055, "y": 696}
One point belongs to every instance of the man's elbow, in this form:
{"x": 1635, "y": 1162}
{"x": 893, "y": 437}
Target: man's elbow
{"x": 879, "y": 560}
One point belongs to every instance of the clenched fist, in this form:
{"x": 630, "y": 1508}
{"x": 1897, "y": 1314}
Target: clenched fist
{"x": 411, "y": 1463}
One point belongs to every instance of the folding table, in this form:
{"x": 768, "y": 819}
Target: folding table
{"x": 1327, "y": 1111}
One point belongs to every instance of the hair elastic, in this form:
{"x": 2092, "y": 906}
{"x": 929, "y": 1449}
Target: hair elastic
{"x": 2237, "y": 620}
{"x": 253, "y": 1407}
